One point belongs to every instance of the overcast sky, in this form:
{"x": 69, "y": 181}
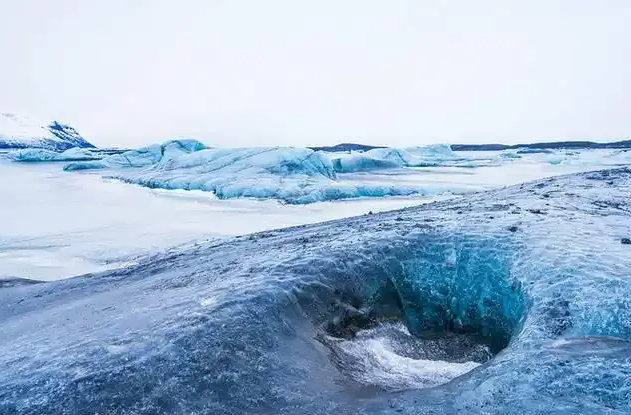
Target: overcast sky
{"x": 314, "y": 72}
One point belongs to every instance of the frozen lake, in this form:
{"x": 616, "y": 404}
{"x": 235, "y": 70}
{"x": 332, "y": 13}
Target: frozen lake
{"x": 56, "y": 224}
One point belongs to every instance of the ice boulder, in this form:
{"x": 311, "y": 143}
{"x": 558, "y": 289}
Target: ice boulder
{"x": 293, "y": 175}
{"x": 30, "y": 155}
{"x": 510, "y": 155}
{"x": 387, "y": 158}
{"x": 23, "y": 132}
{"x": 435, "y": 152}
{"x": 378, "y": 158}
{"x": 288, "y": 174}
{"x": 283, "y": 161}
{"x": 567, "y": 157}
{"x": 142, "y": 157}
{"x": 555, "y": 161}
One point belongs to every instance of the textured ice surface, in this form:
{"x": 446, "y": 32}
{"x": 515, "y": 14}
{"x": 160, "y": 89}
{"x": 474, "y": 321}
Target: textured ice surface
{"x": 379, "y": 158}
{"x": 302, "y": 176}
{"x": 387, "y": 158}
{"x": 292, "y": 175}
{"x": 142, "y": 157}
{"x": 78, "y": 222}
{"x": 56, "y": 224}
{"x": 535, "y": 274}
{"x": 24, "y": 132}
{"x": 510, "y": 155}
{"x": 29, "y": 155}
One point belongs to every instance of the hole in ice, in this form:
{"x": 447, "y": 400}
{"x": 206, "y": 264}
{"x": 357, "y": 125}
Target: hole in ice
{"x": 436, "y": 317}
{"x": 390, "y": 357}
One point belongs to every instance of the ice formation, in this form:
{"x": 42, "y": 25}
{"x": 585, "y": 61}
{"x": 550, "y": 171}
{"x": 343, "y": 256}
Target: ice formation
{"x": 527, "y": 150}
{"x": 42, "y": 155}
{"x": 510, "y": 155}
{"x": 142, "y": 157}
{"x": 292, "y": 175}
{"x": 436, "y": 152}
{"x": 385, "y": 158}
{"x": 302, "y": 175}
{"x": 527, "y": 287}
{"x": 23, "y": 132}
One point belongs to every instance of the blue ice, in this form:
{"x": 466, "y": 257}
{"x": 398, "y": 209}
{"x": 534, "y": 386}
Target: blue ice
{"x": 528, "y": 287}
{"x": 289, "y": 174}
{"x": 29, "y": 155}
{"x": 384, "y": 158}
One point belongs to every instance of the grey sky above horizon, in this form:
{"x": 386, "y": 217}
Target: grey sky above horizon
{"x": 398, "y": 73}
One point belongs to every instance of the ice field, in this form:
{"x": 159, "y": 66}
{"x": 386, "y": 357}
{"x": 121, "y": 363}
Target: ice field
{"x": 508, "y": 301}
{"x": 56, "y": 224}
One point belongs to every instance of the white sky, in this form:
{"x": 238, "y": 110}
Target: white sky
{"x": 130, "y": 72}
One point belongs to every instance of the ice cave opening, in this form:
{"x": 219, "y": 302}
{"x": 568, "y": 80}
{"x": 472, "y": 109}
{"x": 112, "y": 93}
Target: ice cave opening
{"x": 434, "y": 317}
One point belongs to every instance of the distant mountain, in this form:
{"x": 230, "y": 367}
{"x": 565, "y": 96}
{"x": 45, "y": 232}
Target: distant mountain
{"x": 345, "y": 147}
{"x": 23, "y": 132}
{"x": 570, "y": 145}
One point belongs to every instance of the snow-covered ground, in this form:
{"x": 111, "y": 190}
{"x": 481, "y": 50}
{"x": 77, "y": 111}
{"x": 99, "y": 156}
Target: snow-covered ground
{"x": 57, "y": 224}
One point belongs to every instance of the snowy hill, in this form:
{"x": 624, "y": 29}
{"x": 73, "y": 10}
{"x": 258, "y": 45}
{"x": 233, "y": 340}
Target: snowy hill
{"x": 24, "y": 132}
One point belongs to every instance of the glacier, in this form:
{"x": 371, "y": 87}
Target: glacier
{"x": 25, "y": 132}
{"x": 379, "y": 158}
{"x": 34, "y": 155}
{"x": 142, "y": 157}
{"x": 79, "y": 222}
{"x": 291, "y": 175}
{"x": 510, "y": 155}
{"x": 515, "y": 300}
{"x": 387, "y": 158}
{"x": 301, "y": 175}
